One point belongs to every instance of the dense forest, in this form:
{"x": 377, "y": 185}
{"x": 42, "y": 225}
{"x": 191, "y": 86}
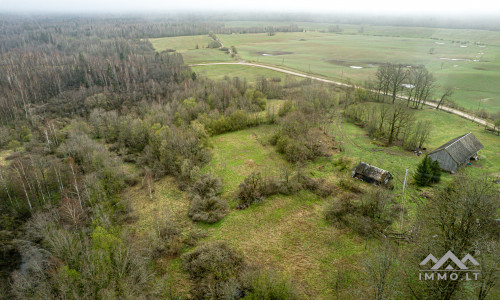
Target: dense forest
{"x": 88, "y": 108}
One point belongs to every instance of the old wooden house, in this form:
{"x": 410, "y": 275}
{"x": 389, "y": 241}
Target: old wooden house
{"x": 457, "y": 152}
{"x": 371, "y": 174}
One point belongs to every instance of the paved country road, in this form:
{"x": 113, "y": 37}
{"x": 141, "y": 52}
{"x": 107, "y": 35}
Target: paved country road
{"x": 432, "y": 104}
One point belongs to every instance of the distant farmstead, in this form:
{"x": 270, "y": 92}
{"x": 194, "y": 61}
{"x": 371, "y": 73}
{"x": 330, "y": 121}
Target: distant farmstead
{"x": 371, "y": 174}
{"x": 457, "y": 152}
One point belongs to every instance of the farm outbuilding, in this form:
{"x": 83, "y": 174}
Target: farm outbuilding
{"x": 457, "y": 152}
{"x": 371, "y": 174}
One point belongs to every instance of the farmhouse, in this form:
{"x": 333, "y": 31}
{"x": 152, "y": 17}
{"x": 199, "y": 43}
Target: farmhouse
{"x": 456, "y": 152}
{"x": 371, "y": 174}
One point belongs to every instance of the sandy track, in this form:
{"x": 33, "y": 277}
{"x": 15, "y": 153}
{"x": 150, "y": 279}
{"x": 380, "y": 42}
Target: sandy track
{"x": 432, "y": 104}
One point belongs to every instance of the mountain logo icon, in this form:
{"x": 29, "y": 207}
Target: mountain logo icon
{"x": 438, "y": 264}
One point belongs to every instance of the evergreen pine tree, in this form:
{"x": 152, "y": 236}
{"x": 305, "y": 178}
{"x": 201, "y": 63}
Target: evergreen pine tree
{"x": 436, "y": 171}
{"x": 423, "y": 175}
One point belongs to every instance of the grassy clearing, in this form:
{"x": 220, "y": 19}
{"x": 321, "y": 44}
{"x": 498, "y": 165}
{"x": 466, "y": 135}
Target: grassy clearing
{"x": 241, "y": 71}
{"x": 289, "y": 233}
{"x": 186, "y": 45}
{"x": 237, "y": 154}
{"x": 285, "y": 232}
{"x": 181, "y": 43}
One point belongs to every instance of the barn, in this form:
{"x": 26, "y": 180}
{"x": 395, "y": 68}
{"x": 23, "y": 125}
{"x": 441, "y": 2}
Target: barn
{"x": 457, "y": 152}
{"x": 371, "y": 174}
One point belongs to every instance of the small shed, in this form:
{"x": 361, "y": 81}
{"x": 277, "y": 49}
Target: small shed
{"x": 457, "y": 152}
{"x": 371, "y": 174}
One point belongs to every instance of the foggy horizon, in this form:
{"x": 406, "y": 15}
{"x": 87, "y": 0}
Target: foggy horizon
{"x": 359, "y": 7}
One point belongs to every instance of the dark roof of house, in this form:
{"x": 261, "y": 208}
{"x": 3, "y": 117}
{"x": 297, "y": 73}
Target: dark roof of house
{"x": 462, "y": 147}
{"x": 372, "y": 172}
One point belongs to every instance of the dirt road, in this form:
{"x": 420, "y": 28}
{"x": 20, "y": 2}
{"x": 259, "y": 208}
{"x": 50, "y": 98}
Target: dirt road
{"x": 432, "y": 104}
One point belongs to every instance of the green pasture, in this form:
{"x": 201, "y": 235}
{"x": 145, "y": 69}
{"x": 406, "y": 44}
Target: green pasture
{"x": 471, "y": 69}
{"x": 468, "y": 60}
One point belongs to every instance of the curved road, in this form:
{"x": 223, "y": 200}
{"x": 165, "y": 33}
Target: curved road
{"x": 432, "y": 104}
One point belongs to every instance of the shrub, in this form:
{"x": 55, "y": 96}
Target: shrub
{"x": 206, "y": 206}
{"x": 209, "y": 209}
{"x": 349, "y": 186}
{"x": 285, "y": 108}
{"x": 255, "y": 188}
{"x": 375, "y": 203}
{"x": 342, "y": 164}
{"x": 374, "y": 211}
{"x": 216, "y": 270}
{"x": 249, "y": 191}
{"x": 268, "y": 285}
{"x": 338, "y": 209}
{"x": 166, "y": 239}
{"x": 319, "y": 186}
{"x": 207, "y": 186}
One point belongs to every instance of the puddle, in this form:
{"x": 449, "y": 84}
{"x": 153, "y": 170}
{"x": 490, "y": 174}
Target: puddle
{"x": 463, "y": 46}
{"x": 355, "y": 67}
{"x": 439, "y": 43}
{"x": 408, "y": 86}
{"x": 455, "y": 59}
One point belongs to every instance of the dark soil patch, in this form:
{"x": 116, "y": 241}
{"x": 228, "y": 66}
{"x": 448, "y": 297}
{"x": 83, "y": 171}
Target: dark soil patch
{"x": 481, "y": 69}
{"x": 345, "y": 63}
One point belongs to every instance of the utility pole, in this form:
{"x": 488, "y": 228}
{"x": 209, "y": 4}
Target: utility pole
{"x": 403, "y": 209}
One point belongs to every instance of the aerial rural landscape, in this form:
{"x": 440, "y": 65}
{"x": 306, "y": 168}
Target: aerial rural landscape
{"x": 236, "y": 155}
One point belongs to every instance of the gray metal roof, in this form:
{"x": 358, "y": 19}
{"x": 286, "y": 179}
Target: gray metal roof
{"x": 461, "y": 148}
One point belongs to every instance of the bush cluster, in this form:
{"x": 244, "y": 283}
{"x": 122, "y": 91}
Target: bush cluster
{"x": 220, "y": 272}
{"x": 216, "y": 270}
{"x": 298, "y": 140}
{"x": 255, "y": 188}
{"x": 371, "y": 213}
{"x": 206, "y": 205}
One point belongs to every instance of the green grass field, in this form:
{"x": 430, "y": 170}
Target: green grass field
{"x": 248, "y": 72}
{"x": 334, "y": 55}
{"x": 457, "y": 58}
{"x": 289, "y": 233}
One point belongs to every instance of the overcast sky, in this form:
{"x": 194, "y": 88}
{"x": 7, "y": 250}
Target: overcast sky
{"x": 323, "y": 6}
